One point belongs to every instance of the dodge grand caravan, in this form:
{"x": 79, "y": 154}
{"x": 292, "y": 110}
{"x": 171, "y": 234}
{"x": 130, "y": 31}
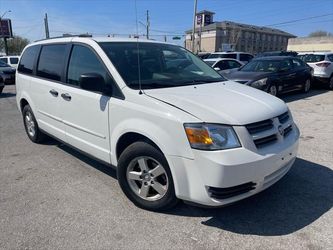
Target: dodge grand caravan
{"x": 172, "y": 127}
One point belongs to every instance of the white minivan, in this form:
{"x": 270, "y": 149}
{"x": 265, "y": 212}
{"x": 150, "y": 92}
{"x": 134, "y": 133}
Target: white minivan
{"x": 169, "y": 123}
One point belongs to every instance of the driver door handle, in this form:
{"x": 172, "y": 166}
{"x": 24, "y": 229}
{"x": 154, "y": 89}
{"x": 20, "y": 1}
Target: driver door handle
{"x": 54, "y": 92}
{"x": 66, "y": 97}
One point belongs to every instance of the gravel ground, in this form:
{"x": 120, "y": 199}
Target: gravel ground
{"x": 52, "y": 197}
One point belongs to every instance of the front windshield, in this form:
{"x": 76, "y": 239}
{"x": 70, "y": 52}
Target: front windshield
{"x": 210, "y": 63}
{"x": 161, "y": 65}
{"x": 2, "y": 64}
{"x": 261, "y": 66}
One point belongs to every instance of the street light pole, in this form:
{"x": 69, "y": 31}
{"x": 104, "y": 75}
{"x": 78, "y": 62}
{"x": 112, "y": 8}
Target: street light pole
{"x": 194, "y": 19}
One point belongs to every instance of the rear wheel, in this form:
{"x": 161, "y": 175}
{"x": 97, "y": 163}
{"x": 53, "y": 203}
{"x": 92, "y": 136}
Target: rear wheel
{"x": 145, "y": 177}
{"x": 31, "y": 126}
{"x": 307, "y": 86}
{"x": 273, "y": 90}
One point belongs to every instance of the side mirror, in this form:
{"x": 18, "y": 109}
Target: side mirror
{"x": 94, "y": 82}
{"x": 217, "y": 68}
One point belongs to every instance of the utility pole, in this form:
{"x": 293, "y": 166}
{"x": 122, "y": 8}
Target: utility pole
{"x": 147, "y": 24}
{"x": 194, "y": 19}
{"x": 46, "y": 23}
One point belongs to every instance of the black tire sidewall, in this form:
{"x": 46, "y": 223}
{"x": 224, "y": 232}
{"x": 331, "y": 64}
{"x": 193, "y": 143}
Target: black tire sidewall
{"x": 38, "y": 135}
{"x": 304, "y": 86}
{"x": 135, "y": 150}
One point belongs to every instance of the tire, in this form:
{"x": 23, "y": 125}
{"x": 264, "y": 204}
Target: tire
{"x": 1, "y": 89}
{"x": 330, "y": 83}
{"x": 273, "y": 90}
{"x": 31, "y": 126}
{"x": 141, "y": 169}
{"x": 306, "y": 86}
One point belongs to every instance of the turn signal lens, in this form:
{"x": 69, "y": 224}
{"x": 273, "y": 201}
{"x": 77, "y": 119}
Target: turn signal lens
{"x": 198, "y": 135}
{"x": 211, "y": 136}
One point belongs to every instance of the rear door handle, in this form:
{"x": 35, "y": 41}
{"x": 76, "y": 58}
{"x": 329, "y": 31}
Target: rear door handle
{"x": 54, "y": 92}
{"x": 66, "y": 97}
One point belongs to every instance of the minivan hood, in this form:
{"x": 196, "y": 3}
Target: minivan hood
{"x": 223, "y": 102}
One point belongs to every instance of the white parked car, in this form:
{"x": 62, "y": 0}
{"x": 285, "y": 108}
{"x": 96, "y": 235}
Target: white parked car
{"x": 240, "y": 56}
{"x": 174, "y": 130}
{"x": 223, "y": 64}
{"x": 10, "y": 60}
{"x": 322, "y": 64}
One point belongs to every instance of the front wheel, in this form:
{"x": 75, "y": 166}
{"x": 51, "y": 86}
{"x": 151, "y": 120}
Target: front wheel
{"x": 145, "y": 177}
{"x": 273, "y": 90}
{"x": 330, "y": 84}
{"x": 307, "y": 86}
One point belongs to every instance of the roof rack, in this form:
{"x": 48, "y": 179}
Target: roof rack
{"x": 65, "y": 35}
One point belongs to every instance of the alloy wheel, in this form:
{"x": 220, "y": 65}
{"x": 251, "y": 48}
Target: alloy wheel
{"x": 30, "y": 124}
{"x": 273, "y": 90}
{"x": 147, "y": 178}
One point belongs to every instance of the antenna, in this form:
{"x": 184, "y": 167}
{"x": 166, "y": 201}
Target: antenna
{"x": 138, "y": 48}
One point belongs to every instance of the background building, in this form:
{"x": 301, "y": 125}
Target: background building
{"x": 310, "y": 44}
{"x": 213, "y": 36}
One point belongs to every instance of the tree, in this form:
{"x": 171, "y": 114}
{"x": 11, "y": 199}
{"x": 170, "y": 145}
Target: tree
{"x": 15, "y": 45}
{"x": 318, "y": 33}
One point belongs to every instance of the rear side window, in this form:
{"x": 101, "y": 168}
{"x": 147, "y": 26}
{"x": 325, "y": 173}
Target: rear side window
{"x": 310, "y": 58}
{"x": 3, "y": 59}
{"x": 245, "y": 57}
{"x": 27, "y": 60}
{"x": 330, "y": 57}
{"x": 51, "y": 61}
{"x": 13, "y": 60}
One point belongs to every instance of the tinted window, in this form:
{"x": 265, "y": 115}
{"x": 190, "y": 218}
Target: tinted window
{"x": 286, "y": 65}
{"x": 51, "y": 61}
{"x": 83, "y": 61}
{"x": 27, "y": 60}
{"x": 309, "y": 58}
{"x": 298, "y": 63}
{"x": 3, "y": 59}
{"x": 330, "y": 57}
{"x": 223, "y": 65}
{"x": 245, "y": 57}
{"x": 13, "y": 60}
{"x": 234, "y": 56}
{"x": 2, "y": 64}
{"x": 233, "y": 64}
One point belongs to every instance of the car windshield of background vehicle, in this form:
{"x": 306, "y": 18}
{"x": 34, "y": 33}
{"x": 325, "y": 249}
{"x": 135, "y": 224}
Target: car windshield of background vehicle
{"x": 2, "y": 64}
{"x": 161, "y": 65}
{"x": 210, "y": 63}
{"x": 261, "y": 66}
{"x": 310, "y": 58}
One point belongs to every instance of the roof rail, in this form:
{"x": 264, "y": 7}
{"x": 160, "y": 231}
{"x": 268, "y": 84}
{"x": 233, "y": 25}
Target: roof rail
{"x": 63, "y": 36}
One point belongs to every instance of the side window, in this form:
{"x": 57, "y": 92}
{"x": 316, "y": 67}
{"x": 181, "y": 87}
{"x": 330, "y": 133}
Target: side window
{"x": 233, "y": 64}
{"x": 51, "y": 61}
{"x": 27, "y": 60}
{"x": 222, "y": 65}
{"x": 286, "y": 65}
{"x": 4, "y": 59}
{"x": 13, "y": 60}
{"x": 245, "y": 57}
{"x": 83, "y": 60}
{"x": 297, "y": 63}
{"x": 330, "y": 57}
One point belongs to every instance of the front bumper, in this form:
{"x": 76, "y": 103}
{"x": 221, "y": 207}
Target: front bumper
{"x": 202, "y": 179}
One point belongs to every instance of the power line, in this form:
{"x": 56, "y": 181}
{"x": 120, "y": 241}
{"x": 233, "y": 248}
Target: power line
{"x": 298, "y": 20}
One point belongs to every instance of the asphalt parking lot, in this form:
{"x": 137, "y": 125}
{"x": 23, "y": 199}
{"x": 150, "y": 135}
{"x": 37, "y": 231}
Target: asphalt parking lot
{"x": 52, "y": 197}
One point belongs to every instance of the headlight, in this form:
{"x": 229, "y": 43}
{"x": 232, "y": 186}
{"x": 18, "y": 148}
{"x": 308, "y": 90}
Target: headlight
{"x": 259, "y": 83}
{"x": 210, "y": 136}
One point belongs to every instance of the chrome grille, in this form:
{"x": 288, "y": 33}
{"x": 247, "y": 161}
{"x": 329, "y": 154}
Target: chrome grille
{"x": 266, "y": 132}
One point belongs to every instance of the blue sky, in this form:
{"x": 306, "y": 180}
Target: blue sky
{"x": 170, "y": 17}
